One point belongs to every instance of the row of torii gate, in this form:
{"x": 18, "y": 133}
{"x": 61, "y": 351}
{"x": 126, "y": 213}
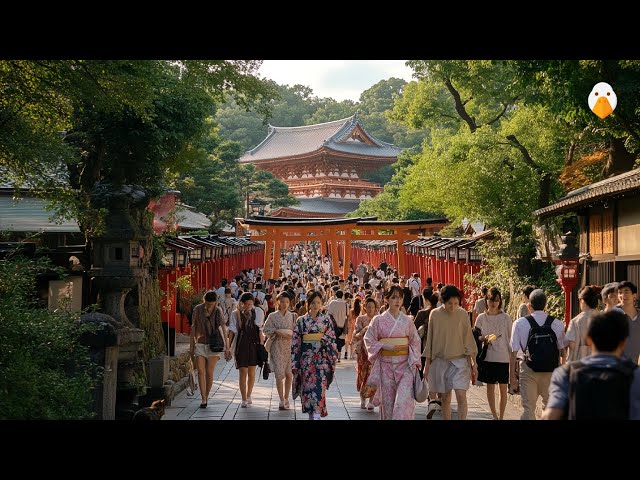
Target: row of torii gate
{"x": 334, "y": 235}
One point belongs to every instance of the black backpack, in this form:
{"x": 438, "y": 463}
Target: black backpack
{"x": 600, "y": 392}
{"x": 541, "y": 352}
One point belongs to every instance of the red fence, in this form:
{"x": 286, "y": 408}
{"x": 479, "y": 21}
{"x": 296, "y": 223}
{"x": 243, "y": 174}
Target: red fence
{"x": 208, "y": 259}
{"x": 445, "y": 260}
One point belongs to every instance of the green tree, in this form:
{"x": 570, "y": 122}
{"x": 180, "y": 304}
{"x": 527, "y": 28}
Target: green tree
{"x": 491, "y": 154}
{"x": 45, "y": 374}
{"x": 386, "y": 205}
{"x": 128, "y": 122}
{"x": 263, "y": 187}
{"x": 219, "y": 185}
{"x": 563, "y": 86}
{"x": 290, "y": 107}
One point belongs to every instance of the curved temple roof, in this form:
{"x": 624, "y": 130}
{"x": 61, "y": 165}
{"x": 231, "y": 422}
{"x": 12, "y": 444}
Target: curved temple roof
{"x": 290, "y": 141}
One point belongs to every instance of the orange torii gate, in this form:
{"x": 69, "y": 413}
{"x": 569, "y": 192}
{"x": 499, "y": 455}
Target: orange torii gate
{"x": 278, "y": 232}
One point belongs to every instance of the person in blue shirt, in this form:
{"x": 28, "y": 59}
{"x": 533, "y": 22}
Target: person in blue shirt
{"x": 607, "y": 334}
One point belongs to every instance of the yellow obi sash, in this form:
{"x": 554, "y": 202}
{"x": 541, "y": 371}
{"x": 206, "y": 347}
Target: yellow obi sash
{"x": 312, "y": 337}
{"x": 404, "y": 341}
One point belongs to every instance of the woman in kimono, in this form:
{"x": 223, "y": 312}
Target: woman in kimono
{"x": 279, "y": 329}
{"x": 313, "y": 357}
{"x": 363, "y": 367}
{"x": 354, "y": 313}
{"x": 393, "y": 345}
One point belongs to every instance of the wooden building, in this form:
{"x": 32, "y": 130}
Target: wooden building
{"x": 609, "y": 218}
{"x": 323, "y": 165}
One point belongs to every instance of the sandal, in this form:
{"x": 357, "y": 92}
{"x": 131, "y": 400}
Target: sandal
{"x": 203, "y": 405}
{"x": 281, "y": 406}
{"x": 286, "y": 404}
{"x": 370, "y": 407}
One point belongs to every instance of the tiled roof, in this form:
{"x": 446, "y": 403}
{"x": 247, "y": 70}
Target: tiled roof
{"x": 290, "y": 141}
{"x": 614, "y": 186}
{"x": 29, "y": 214}
{"x": 326, "y": 205}
{"x": 188, "y": 219}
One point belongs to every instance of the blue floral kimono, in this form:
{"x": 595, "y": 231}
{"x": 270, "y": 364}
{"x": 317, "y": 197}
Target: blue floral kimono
{"x": 314, "y": 362}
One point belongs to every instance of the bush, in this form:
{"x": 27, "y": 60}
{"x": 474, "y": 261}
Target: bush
{"x": 500, "y": 270}
{"x": 44, "y": 371}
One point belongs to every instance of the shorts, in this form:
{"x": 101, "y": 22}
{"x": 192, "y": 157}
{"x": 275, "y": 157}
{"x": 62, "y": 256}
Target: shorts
{"x": 493, "y": 372}
{"x": 447, "y": 375}
{"x": 203, "y": 350}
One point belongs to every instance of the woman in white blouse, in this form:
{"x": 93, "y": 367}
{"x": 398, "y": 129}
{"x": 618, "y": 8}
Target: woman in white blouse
{"x": 495, "y": 328}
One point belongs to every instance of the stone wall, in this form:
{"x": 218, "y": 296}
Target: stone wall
{"x": 178, "y": 372}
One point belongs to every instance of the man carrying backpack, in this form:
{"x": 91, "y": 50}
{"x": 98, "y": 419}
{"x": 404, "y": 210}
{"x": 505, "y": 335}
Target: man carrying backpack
{"x": 602, "y": 386}
{"x": 537, "y": 339}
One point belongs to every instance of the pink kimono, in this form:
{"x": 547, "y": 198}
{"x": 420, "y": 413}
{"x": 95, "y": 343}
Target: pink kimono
{"x": 392, "y": 376}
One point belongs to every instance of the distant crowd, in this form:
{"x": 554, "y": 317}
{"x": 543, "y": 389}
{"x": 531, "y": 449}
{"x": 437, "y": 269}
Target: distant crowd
{"x": 400, "y": 332}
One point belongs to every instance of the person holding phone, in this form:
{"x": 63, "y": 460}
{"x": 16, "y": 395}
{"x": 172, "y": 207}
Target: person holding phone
{"x": 495, "y": 331}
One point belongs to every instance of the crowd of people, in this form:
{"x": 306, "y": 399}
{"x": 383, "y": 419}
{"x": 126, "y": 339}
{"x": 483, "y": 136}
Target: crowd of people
{"x": 398, "y": 329}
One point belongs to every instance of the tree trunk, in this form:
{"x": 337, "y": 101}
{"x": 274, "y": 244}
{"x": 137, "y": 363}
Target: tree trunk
{"x": 545, "y": 190}
{"x": 149, "y": 315}
{"x": 148, "y": 297}
{"x": 620, "y": 160}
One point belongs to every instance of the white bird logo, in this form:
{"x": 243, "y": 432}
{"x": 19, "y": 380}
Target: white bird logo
{"x": 602, "y": 100}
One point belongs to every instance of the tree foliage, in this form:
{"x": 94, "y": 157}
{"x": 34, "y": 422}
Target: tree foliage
{"x": 218, "y": 186}
{"x": 45, "y": 374}
{"x": 297, "y": 106}
{"x": 127, "y": 123}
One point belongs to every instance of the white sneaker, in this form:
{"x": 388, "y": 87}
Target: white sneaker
{"x": 434, "y": 406}
{"x": 243, "y": 404}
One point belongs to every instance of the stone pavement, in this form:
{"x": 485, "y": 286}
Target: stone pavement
{"x": 343, "y": 401}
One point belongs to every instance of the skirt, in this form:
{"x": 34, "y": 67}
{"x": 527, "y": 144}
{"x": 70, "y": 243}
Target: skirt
{"x": 493, "y": 372}
{"x": 447, "y": 375}
{"x": 203, "y": 350}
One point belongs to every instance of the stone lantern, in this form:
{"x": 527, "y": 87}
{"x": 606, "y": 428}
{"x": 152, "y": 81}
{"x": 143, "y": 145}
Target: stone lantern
{"x": 116, "y": 271}
{"x": 567, "y": 271}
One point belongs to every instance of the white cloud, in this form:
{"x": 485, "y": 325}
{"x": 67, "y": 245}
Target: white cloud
{"x": 339, "y": 79}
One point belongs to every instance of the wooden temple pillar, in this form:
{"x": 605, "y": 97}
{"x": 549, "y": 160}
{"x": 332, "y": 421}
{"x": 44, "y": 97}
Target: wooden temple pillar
{"x": 402, "y": 258}
{"x": 347, "y": 253}
{"x": 267, "y": 256}
{"x": 277, "y": 266}
{"x": 335, "y": 264}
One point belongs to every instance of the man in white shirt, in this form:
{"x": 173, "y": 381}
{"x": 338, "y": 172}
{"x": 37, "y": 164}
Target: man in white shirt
{"x": 220, "y": 290}
{"x": 338, "y": 308}
{"x": 532, "y": 384}
{"x": 415, "y": 285}
{"x": 259, "y": 294}
{"x": 234, "y": 287}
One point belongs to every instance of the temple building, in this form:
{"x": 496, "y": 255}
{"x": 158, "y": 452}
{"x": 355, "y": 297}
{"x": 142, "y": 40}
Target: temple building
{"x": 323, "y": 165}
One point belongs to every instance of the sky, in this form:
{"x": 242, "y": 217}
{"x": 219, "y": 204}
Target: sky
{"x": 338, "y": 79}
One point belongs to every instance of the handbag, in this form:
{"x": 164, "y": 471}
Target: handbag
{"x": 420, "y": 387}
{"x": 263, "y": 355}
{"x": 266, "y": 370}
{"x": 216, "y": 342}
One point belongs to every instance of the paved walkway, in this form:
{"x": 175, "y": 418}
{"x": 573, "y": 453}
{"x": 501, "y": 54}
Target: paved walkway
{"x": 343, "y": 401}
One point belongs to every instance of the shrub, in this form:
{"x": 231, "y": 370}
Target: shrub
{"x": 44, "y": 371}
